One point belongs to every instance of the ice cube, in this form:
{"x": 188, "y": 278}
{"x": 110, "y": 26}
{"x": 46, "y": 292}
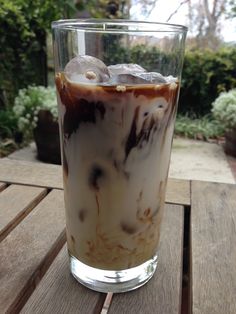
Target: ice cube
{"x": 87, "y": 69}
{"x": 126, "y": 79}
{"x": 171, "y": 79}
{"x": 152, "y": 77}
{"x": 138, "y": 78}
{"x": 126, "y": 68}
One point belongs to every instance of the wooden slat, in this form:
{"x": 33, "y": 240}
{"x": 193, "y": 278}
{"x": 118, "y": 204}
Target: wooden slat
{"x": 45, "y": 175}
{"x": 2, "y": 186}
{"x": 162, "y": 294}
{"x": 59, "y": 292}
{"x": 30, "y": 173}
{"x": 24, "y": 256}
{"x": 178, "y": 192}
{"x": 15, "y": 203}
{"x": 213, "y": 249}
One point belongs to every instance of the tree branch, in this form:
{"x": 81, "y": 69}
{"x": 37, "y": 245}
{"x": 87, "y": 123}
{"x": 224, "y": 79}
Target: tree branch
{"x": 180, "y": 5}
{"x": 152, "y": 7}
{"x": 214, "y": 8}
{"x": 208, "y": 13}
{"x": 221, "y": 10}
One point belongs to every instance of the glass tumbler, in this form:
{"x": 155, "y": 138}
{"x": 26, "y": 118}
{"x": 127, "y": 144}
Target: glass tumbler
{"x": 117, "y": 87}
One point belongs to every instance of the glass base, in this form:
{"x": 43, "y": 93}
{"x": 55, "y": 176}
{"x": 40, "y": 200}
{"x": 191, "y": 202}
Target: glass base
{"x": 112, "y": 281}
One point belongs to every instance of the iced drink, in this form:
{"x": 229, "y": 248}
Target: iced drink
{"x": 116, "y": 125}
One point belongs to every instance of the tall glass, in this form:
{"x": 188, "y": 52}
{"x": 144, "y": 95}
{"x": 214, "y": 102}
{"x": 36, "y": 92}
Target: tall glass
{"x": 117, "y": 88}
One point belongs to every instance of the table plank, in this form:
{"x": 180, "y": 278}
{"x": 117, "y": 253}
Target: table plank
{"x": 26, "y": 253}
{"x": 59, "y": 292}
{"x": 162, "y": 294}
{"x": 2, "y": 186}
{"x": 30, "y": 173}
{"x": 15, "y": 203}
{"x": 213, "y": 250}
{"x": 47, "y": 175}
{"x": 178, "y": 192}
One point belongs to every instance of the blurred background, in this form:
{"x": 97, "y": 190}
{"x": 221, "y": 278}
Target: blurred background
{"x": 209, "y": 67}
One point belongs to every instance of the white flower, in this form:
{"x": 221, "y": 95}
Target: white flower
{"x": 224, "y": 109}
{"x": 18, "y": 110}
{"x": 22, "y": 122}
{"x": 30, "y": 101}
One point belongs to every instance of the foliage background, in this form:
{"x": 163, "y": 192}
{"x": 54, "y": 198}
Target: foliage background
{"x": 24, "y": 26}
{"x": 23, "y": 29}
{"x": 205, "y": 75}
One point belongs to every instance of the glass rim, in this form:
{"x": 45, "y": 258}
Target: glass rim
{"x": 107, "y": 25}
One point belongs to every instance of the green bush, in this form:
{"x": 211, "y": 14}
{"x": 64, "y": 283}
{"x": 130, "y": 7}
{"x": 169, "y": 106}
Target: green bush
{"x": 224, "y": 110}
{"x": 23, "y": 29}
{"x": 8, "y": 123}
{"x": 205, "y": 75}
{"x": 203, "y": 128}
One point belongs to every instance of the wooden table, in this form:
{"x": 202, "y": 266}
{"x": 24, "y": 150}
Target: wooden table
{"x": 197, "y": 264}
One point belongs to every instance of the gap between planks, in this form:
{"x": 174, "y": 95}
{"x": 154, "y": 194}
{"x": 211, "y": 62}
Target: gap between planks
{"x": 59, "y": 292}
{"x": 3, "y": 186}
{"x": 34, "y": 280}
{"x": 21, "y": 213}
{"x": 28, "y": 251}
{"x": 186, "y": 290}
{"x": 107, "y": 303}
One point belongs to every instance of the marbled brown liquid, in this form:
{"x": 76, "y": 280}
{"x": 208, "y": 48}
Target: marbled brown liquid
{"x": 116, "y": 146}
